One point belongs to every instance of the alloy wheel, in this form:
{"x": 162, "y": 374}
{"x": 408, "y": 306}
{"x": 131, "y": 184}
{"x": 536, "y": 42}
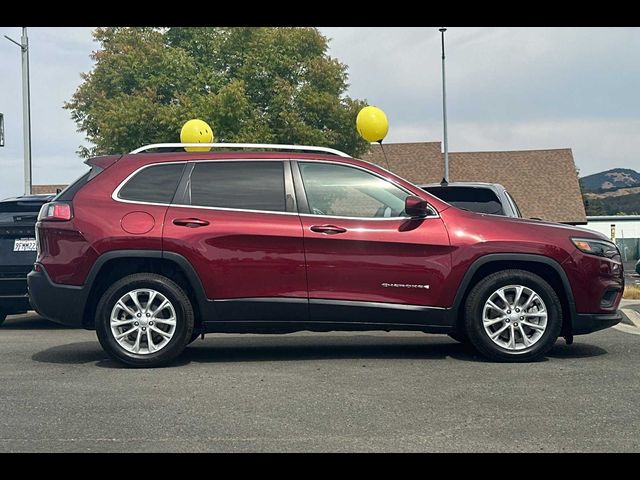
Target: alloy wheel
{"x": 143, "y": 321}
{"x": 514, "y": 317}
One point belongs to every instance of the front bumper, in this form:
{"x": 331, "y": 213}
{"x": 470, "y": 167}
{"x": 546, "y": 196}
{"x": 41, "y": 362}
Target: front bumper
{"x": 61, "y": 303}
{"x": 584, "y": 323}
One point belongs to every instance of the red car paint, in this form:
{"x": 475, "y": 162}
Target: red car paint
{"x": 246, "y": 254}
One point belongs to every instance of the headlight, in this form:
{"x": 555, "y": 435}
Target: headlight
{"x": 596, "y": 247}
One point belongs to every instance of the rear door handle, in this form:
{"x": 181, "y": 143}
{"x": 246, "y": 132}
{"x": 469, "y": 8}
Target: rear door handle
{"x": 190, "y": 222}
{"x": 328, "y": 229}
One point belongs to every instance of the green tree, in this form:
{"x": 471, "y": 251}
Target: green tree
{"x": 266, "y": 85}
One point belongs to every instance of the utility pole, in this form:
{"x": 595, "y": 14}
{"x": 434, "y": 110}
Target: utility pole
{"x": 444, "y": 113}
{"x": 26, "y": 108}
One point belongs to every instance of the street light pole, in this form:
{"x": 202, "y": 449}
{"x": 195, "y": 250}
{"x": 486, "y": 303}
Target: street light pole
{"x": 26, "y": 108}
{"x": 444, "y": 113}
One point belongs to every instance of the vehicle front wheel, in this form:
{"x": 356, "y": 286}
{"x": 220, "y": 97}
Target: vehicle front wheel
{"x": 3, "y": 316}
{"x": 513, "y": 316}
{"x": 459, "y": 337}
{"x": 144, "y": 320}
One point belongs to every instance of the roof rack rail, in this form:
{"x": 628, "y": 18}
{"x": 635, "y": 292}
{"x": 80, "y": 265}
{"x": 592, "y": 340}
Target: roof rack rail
{"x": 241, "y": 145}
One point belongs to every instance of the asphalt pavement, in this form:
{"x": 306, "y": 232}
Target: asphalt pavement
{"x": 336, "y": 392}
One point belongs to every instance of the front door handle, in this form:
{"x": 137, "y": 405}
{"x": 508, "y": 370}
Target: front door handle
{"x": 328, "y": 229}
{"x": 190, "y": 222}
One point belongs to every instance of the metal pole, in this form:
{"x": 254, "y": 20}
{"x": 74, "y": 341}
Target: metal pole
{"x": 26, "y": 111}
{"x": 444, "y": 113}
{"x": 26, "y": 108}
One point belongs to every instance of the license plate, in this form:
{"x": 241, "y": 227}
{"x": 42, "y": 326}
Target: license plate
{"x": 24, "y": 245}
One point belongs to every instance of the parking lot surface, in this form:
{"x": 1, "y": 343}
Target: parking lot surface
{"x": 355, "y": 392}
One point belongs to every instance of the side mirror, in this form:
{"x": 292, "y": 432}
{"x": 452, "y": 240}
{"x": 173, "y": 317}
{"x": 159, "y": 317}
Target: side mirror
{"x": 416, "y": 207}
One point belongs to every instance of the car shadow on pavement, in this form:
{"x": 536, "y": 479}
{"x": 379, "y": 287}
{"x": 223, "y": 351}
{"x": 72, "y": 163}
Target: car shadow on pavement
{"x": 577, "y": 350}
{"x": 73, "y": 354}
{"x": 31, "y": 323}
{"x": 268, "y": 350}
{"x": 334, "y": 351}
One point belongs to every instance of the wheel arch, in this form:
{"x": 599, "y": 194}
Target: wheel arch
{"x": 547, "y": 268}
{"x": 114, "y": 265}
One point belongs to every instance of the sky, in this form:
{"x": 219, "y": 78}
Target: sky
{"x": 507, "y": 89}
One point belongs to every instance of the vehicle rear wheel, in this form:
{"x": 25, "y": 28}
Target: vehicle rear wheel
{"x": 144, "y": 320}
{"x": 3, "y": 316}
{"x": 513, "y": 316}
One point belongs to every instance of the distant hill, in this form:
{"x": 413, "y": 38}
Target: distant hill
{"x": 614, "y": 205}
{"x": 611, "y": 180}
{"x": 613, "y": 192}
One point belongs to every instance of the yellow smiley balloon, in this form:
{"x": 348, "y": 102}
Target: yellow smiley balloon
{"x": 196, "y": 131}
{"x": 372, "y": 124}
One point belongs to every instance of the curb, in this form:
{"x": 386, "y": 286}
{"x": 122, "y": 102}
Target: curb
{"x": 632, "y": 325}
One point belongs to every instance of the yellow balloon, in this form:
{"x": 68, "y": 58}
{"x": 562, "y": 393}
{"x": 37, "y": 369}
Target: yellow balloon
{"x": 196, "y": 131}
{"x": 372, "y": 124}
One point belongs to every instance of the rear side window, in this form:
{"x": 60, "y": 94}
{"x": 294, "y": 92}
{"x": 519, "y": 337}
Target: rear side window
{"x": 154, "y": 184}
{"x": 239, "y": 185}
{"x": 474, "y": 199}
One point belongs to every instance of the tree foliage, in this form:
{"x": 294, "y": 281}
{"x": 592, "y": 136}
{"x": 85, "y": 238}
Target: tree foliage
{"x": 266, "y": 85}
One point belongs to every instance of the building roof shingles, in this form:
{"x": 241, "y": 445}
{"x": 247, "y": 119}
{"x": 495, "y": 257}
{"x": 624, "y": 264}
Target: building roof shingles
{"x": 544, "y": 183}
{"x": 38, "y": 189}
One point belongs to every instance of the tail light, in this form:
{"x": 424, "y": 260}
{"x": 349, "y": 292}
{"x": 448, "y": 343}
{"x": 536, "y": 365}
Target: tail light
{"x": 55, "y": 212}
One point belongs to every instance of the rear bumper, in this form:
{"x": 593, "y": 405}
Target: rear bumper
{"x": 13, "y": 295}
{"x": 61, "y": 303}
{"x": 13, "y": 304}
{"x": 584, "y": 323}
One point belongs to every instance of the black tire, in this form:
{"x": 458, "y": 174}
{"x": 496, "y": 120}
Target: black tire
{"x": 459, "y": 337}
{"x": 482, "y": 291}
{"x": 173, "y": 293}
{"x": 3, "y": 316}
{"x": 194, "y": 336}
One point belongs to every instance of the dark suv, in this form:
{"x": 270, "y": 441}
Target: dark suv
{"x": 17, "y": 250}
{"x": 154, "y": 249}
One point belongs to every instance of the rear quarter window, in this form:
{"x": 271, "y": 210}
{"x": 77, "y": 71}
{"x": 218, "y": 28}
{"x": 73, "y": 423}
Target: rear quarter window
{"x": 154, "y": 184}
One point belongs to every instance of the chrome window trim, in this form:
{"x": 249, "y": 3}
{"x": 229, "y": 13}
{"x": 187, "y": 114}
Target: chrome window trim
{"x": 115, "y": 195}
{"x": 284, "y": 179}
{"x": 395, "y": 184}
{"x": 377, "y": 219}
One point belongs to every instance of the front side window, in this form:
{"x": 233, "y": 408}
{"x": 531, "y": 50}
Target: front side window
{"x": 343, "y": 191}
{"x": 239, "y": 185}
{"x": 154, "y": 184}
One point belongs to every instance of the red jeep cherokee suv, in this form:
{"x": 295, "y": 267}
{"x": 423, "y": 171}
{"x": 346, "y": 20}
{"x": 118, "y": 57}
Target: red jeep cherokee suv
{"x": 154, "y": 249}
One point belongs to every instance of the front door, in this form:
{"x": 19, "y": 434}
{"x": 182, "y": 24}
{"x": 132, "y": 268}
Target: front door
{"x": 366, "y": 260}
{"x": 239, "y": 230}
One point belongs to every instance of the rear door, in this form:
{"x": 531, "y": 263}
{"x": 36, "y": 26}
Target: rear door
{"x": 236, "y": 223}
